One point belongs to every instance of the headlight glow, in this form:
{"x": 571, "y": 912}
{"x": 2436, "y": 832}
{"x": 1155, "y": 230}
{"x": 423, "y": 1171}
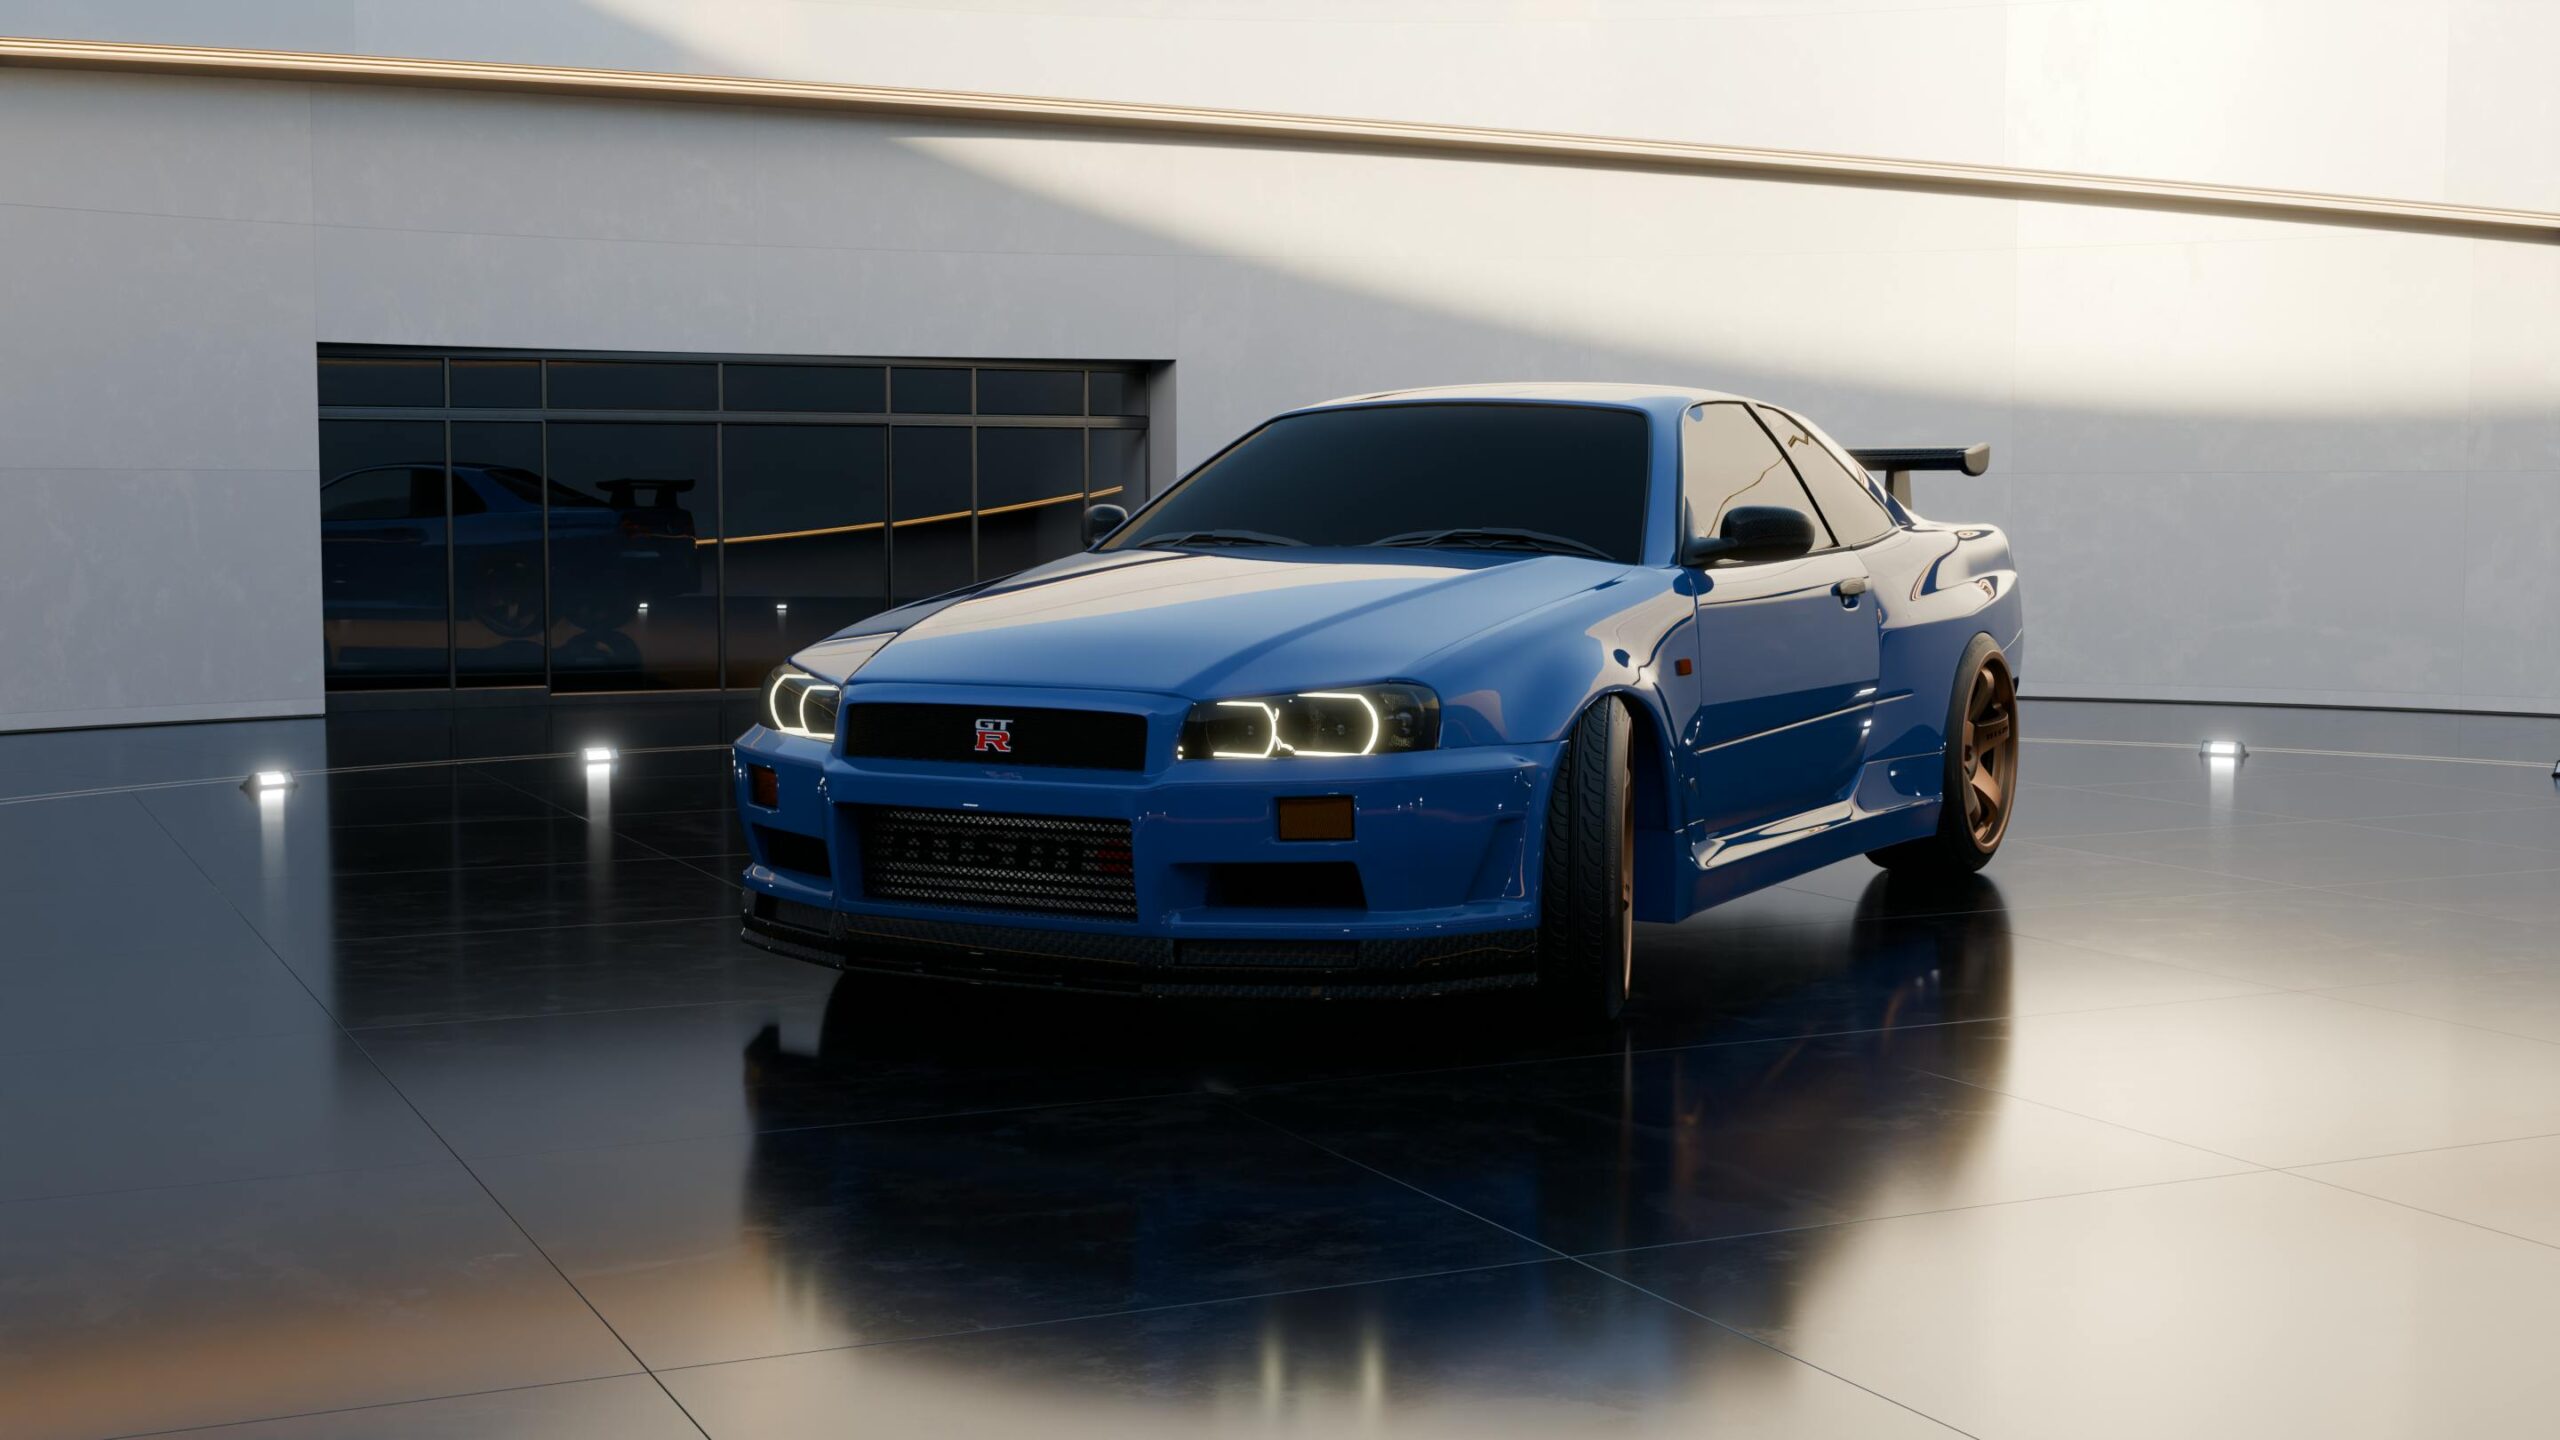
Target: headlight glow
{"x": 1360, "y": 720}
{"x": 799, "y": 703}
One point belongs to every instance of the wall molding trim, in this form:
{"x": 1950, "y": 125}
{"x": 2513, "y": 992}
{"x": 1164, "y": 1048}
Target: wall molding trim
{"x": 1317, "y": 131}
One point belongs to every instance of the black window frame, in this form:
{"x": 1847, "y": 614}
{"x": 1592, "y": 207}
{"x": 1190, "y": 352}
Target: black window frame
{"x": 1826, "y": 539}
{"x": 1857, "y": 477}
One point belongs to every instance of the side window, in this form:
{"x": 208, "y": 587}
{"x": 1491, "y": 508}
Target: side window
{"x": 1726, "y": 460}
{"x": 1845, "y": 500}
{"x": 389, "y": 492}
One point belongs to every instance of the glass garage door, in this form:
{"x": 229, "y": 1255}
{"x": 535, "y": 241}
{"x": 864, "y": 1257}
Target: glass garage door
{"x": 617, "y": 523}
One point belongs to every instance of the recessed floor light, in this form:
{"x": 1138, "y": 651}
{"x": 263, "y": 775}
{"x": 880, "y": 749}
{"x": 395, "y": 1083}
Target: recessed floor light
{"x": 2224, "y": 750}
{"x": 266, "y": 780}
{"x": 599, "y": 754}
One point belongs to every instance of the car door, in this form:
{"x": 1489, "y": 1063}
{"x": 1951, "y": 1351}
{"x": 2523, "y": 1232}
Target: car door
{"x": 1787, "y": 649}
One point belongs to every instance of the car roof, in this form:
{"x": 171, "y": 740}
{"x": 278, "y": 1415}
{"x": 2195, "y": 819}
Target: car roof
{"x": 1583, "y": 391}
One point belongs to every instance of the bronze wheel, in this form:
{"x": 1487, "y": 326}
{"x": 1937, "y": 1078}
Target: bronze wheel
{"x": 1981, "y": 784}
{"x": 1989, "y": 759}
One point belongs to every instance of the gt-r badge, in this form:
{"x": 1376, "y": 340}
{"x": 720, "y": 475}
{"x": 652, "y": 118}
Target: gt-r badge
{"x": 995, "y": 735}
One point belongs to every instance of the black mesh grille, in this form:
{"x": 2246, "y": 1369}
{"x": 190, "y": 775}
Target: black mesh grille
{"x": 1064, "y": 866}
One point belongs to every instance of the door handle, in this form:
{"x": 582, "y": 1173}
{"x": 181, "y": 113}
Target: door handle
{"x": 1849, "y": 590}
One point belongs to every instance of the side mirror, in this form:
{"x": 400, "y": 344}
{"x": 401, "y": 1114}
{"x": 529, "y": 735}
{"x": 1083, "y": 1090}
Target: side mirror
{"x": 1753, "y": 532}
{"x": 1101, "y": 520}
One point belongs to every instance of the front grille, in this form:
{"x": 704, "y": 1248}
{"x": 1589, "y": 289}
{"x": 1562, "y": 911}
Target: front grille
{"x": 994, "y": 734}
{"x": 1063, "y": 866}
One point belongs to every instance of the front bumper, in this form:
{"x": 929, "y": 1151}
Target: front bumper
{"x": 1443, "y": 847}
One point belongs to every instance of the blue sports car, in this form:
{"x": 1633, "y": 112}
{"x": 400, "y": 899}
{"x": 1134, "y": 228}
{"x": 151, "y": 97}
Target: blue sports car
{"x": 1410, "y": 693}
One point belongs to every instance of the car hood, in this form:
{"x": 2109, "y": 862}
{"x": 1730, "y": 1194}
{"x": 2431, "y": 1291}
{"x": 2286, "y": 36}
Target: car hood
{"x": 1203, "y": 624}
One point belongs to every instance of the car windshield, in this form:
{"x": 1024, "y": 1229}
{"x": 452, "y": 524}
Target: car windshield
{"x": 1486, "y": 476}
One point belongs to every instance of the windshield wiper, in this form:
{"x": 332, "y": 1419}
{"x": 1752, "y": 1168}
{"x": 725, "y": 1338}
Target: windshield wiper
{"x": 1173, "y": 538}
{"x": 1497, "y": 537}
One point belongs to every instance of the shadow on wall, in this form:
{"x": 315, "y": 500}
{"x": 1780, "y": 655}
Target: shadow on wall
{"x": 2208, "y": 433}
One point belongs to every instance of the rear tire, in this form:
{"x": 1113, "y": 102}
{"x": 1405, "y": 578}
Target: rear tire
{"x": 1586, "y": 898}
{"x": 1981, "y": 777}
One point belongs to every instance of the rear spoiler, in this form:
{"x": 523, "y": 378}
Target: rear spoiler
{"x": 1897, "y": 463}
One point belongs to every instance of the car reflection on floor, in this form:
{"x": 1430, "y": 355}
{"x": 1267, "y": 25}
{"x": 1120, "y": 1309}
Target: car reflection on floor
{"x": 1608, "y": 1145}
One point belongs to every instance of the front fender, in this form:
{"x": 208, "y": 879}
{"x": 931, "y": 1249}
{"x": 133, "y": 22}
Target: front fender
{"x": 1524, "y": 680}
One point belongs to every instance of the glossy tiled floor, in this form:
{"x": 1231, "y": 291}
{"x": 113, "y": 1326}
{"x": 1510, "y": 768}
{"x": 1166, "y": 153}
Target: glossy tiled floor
{"x": 441, "y": 1100}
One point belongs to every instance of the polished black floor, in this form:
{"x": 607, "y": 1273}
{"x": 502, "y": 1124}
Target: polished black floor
{"x": 439, "y": 1099}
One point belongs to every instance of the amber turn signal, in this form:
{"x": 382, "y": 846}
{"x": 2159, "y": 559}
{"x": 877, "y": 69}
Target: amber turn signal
{"x": 1315, "y": 817}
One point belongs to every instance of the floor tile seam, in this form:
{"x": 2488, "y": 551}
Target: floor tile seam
{"x": 2332, "y": 993}
{"x": 728, "y": 880}
{"x": 429, "y": 1126}
{"x": 498, "y": 867}
{"x": 369, "y": 939}
{"x": 2259, "y": 986}
{"x": 262, "y": 1178}
{"x": 530, "y": 1241}
{"x": 2012, "y": 1203}
{"x": 1585, "y": 1264}
{"x": 91, "y": 1049}
{"x": 2103, "y": 1120}
{"x": 2196, "y": 747}
{"x": 2296, "y": 1174}
{"x": 515, "y": 1017}
{"x": 2358, "y": 888}
{"x": 2427, "y": 1150}
{"x": 375, "y": 1405}
{"x": 2300, "y": 885}
{"x": 1775, "y": 1349}
{"x": 2243, "y": 886}
{"x": 1277, "y": 1087}
{"x": 1615, "y": 1053}
{"x": 1243, "y": 1298}
{"x": 2375, "y": 822}
{"x": 752, "y": 1133}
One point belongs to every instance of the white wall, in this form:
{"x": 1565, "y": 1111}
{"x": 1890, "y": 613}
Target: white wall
{"x": 2243, "y": 460}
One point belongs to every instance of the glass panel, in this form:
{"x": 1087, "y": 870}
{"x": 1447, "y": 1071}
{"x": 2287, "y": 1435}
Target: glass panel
{"x": 363, "y": 380}
{"x": 1363, "y": 474}
{"x": 1117, "y": 392}
{"x": 845, "y": 389}
{"x": 629, "y": 385}
{"x": 1727, "y": 460}
{"x": 634, "y": 598}
{"x": 805, "y": 543}
{"x": 382, "y": 553}
{"x": 915, "y": 391}
{"x": 1030, "y": 392}
{"x": 1030, "y": 497}
{"x": 497, "y": 384}
{"x": 1120, "y": 467}
{"x": 1855, "y": 516}
{"x": 497, "y": 553}
{"x": 929, "y": 552}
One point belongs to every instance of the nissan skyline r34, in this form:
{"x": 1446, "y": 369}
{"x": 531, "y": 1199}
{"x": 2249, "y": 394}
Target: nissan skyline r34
{"x": 1409, "y": 693}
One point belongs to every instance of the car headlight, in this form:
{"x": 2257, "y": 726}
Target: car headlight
{"x": 1356, "y": 720}
{"x": 799, "y": 703}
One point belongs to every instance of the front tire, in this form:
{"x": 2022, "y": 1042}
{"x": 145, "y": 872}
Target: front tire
{"x": 1981, "y": 780}
{"x": 1586, "y": 909}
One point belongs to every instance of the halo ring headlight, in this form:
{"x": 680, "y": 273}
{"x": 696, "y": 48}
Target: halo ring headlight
{"x": 1343, "y": 724}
